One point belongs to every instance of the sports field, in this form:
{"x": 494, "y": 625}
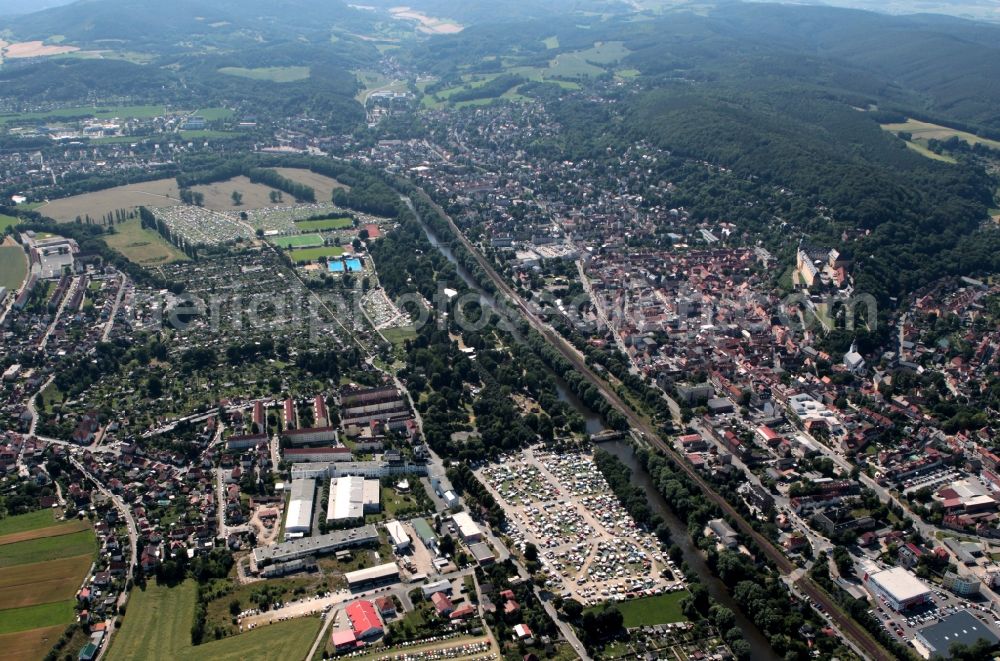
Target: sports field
{"x": 298, "y": 241}
{"x": 142, "y": 246}
{"x": 13, "y": 267}
{"x": 312, "y": 254}
{"x": 325, "y": 224}
{"x": 172, "y": 609}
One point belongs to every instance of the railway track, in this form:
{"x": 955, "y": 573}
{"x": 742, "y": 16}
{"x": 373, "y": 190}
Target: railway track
{"x": 850, "y": 628}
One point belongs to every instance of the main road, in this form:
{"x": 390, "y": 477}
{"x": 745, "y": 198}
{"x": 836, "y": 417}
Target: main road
{"x": 851, "y": 629}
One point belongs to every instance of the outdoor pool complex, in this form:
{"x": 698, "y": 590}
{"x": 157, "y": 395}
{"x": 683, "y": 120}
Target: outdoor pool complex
{"x": 351, "y": 264}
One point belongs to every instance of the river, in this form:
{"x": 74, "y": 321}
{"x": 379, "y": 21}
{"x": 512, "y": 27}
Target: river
{"x": 760, "y": 648}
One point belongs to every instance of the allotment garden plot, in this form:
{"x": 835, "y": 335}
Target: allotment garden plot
{"x": 588, "y": 544}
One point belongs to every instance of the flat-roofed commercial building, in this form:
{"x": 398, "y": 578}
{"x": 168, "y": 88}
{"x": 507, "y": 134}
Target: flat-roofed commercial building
{"x": 897, "y": 586}
{"x": 373, "y": 576}
{"x": 958, "y": 628}
{"x": 351, "y": 498}
{"x": 318, "y": 545}
{"x": 467, "y": 528}
{"x": 300, "y": 506}
{"x": 400, "y": 540}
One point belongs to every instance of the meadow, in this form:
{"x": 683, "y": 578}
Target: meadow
{"x": 7, "y": 221}
{"x": 173, "y": 611}
{"x": 323, "y": 185}
{"x": 142, "y": 246}
{"x": 313, "y": 254}
{"x": 273, "y": 74}
{"x": 13, "y": 267}
{"x": 158, "y": 193}
{"x": 923, "y": 131}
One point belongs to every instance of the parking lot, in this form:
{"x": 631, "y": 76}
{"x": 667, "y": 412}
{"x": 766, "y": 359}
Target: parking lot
{"x": 903, "y": 626}
{"x": 589, "y": 546}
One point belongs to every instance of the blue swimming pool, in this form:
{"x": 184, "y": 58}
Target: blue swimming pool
{"x": 335, "y": 266}
{"x": 353, "y": 264}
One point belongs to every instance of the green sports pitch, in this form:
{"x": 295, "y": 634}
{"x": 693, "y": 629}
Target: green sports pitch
{"x": 298, "y": 241}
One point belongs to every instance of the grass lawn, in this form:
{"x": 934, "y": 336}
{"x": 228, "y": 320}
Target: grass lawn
{"x": 7, "y": 221}
{"x": 172, "y": 609}
{"x": 300, "y": 241}
{"x": 325, "y": 224}
{"x": 34, "y": 617}
{"x": 273, "y": 74}
{"x": 206, "y": 134}
{"x": 29, "y": 521}
{"x": 47, "y": 548}
{"x": 142, "y": 246}
{"x": 313, "y": 254}
{"x": 399, "y": 335}
{"x": 13, "y": 267}
{"x": 661, "y": 609}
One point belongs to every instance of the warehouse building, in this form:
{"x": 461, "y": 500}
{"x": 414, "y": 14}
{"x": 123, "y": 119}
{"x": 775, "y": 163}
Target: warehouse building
{"x": 315, "y": 546}
{"x": 897, "y": 587}
{"x": 365, "y": 622}
{"x": 351, "y": 498}
{"x": 371, "y": 577}
{"x": 300, "y": 507}
{"x": 467, "y": 528}
{"x": 400, "y": 540}
{"x": 958, "y": 628}
{"x": 425, "y": 533}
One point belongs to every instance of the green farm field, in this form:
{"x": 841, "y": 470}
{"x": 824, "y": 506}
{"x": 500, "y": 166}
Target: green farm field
{"x": 312, "y": 254}
{"x": 47, "y": 548}
{"x": 13, "y": 267}
{"x": 142, "y": 246}
{"x": 42, "y": 582}
{"x": 300, "y": 241}
{"x": 172, "y": 609}
{"x": 36, "y": 617}
{"x": 23, "y": 522}
{"x": 325, "y": 224}
{"x": 273, "y": 74}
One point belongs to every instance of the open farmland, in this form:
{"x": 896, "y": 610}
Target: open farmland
{"x": 47, "y": 548}
{"x": 273, "y": 74}
{"x": 323, "y": 185}
{"x": 23, "y": 522}
{"x": 61, "y": 528}
{"x": 46, "y": 582}
{"x": 13, "y": 266}
{"x": 159, "y": 193}
{"x": 299, "y": 241}
{"x": 926, "y": 131}
{"x": 313, "y": 254}
{"x": 142, "y": 246}
{"x": 29, "y": 645}
{"x": 173, "y": 611}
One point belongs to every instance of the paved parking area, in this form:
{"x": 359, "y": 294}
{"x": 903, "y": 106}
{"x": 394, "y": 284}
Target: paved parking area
{"x": 904, "y": 626}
